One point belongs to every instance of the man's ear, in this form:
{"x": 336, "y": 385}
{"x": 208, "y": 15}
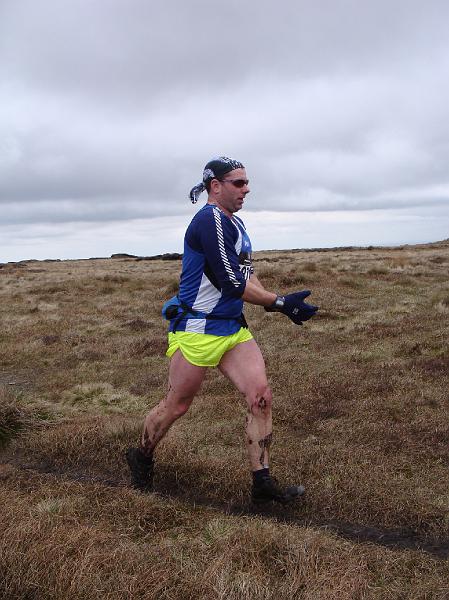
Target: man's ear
{"x": 215, "y": 186}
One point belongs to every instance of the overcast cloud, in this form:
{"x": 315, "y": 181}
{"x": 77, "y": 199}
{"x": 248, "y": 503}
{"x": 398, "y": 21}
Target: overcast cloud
{"x": 109, "y": 110}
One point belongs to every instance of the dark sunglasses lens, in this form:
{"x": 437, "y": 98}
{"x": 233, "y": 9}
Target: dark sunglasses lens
{"x": 239, "y": 183}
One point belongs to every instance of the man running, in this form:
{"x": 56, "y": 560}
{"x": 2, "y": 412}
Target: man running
{"x": 208, "y": 329}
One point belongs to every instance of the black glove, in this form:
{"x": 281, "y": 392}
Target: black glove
{"x": 294, "y": 307}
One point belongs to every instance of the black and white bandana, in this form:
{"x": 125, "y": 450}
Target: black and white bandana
{"x": 215, "y": 169}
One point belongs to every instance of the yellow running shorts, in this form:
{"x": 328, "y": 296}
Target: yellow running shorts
{"x": 204, "y": 349}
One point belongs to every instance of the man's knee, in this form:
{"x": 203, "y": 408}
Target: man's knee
{"x": 260, "y": 400}
{"x": 181, "y": 406}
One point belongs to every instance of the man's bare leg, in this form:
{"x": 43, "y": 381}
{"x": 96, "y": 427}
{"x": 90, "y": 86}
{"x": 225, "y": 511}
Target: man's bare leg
{"x": 245, "y": 367}
{"x": 184, "y": 381}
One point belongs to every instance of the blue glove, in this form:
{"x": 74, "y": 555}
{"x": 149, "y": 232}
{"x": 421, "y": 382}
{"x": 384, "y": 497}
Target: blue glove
{"x": 294, "y": 307}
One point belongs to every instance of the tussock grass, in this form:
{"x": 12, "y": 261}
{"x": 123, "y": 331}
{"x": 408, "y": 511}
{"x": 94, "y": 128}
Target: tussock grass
{"x": 16, "y": 416}
{"x": 360, "y": 417}
{"x": 442, "y": 302}
{"x": 121, "y": 545}
{"x": 101, "y": 396}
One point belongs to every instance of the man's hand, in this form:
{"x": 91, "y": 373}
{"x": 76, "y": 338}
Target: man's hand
{"x": 294, "y": 307}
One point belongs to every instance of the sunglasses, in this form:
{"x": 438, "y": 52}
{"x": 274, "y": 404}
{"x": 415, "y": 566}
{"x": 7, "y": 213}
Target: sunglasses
{"x": 238, "y": 183}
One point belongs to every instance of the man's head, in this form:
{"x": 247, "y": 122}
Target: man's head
{"x": 217, "y": 168}
{"x": 226, "y": 183}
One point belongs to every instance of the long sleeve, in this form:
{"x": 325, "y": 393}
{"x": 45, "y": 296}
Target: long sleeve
{"x": 215, "y": 265}
{"x": 215, "y": 237}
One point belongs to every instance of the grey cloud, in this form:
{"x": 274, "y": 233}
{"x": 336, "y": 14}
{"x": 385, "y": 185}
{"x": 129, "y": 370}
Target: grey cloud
{"x": 96, "y": 209}
{"x": 110, "y": 109}
{"x": 140, "y": 49}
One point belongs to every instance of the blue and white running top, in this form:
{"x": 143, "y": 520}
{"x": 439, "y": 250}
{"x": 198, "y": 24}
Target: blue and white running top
{"x": 215, "y": 267}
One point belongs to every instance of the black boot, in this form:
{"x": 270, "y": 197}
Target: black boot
{"x": 142, "y": 469}
{"x": 269, "y": 490}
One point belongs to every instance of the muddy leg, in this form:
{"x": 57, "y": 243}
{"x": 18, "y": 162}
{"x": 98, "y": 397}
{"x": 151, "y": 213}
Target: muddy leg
{"x": 259, "y": 429}
{"x": 245, "y": 367}
{"x": 185, "y": 380}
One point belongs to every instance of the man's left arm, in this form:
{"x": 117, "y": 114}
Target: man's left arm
{"x": 255, "y": 293}
{"x": 292, "y": 305}
{"x": 254, "y": 279}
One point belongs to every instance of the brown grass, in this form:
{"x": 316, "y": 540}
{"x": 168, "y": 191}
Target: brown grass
{"x": 361, "y": 409}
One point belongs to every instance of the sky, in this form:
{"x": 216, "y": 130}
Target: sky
{"x": 109, "y": 110}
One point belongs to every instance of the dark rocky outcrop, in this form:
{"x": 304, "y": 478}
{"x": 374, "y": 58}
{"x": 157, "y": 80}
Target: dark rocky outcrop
{"x": 167, "y": 256}
{"x": 123, "y": 255}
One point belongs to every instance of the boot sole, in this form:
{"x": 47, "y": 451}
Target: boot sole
{"x": 281, "y": 500}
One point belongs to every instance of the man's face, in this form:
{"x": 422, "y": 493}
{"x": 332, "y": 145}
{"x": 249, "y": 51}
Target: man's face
{"x": 231, "y": 195}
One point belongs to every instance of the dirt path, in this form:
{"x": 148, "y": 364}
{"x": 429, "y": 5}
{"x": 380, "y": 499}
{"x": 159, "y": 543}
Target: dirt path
{"x": 396, "y": 539}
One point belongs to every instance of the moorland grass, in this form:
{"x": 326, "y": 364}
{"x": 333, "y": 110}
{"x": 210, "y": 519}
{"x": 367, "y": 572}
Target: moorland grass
{"x": 360, "y": 417}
